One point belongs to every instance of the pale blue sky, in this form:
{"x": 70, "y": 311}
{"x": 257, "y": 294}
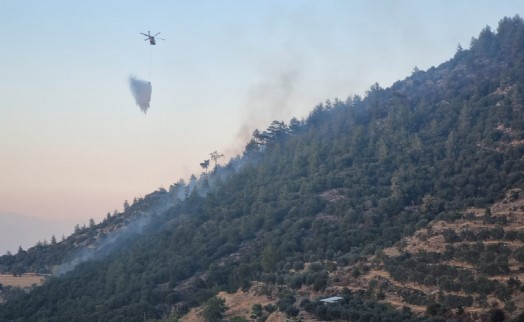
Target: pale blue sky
{"x": 73, "y": 144}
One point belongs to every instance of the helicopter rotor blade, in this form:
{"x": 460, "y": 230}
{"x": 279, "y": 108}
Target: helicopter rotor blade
{"x": 156, "y": 34}
{"x": 159, "y": 38}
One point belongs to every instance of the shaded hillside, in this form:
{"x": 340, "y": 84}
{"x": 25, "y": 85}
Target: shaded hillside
{"x": 310, "y": 198}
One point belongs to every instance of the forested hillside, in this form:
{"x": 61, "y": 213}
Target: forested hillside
{"x": 313, "y": 205}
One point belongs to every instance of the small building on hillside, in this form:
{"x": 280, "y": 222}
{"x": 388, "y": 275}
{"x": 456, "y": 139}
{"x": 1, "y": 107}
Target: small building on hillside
{"x": 330, "y": 300}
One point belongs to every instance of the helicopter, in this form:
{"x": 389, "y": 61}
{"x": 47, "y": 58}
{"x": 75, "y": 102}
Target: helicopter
{"x": 152, "y": 39}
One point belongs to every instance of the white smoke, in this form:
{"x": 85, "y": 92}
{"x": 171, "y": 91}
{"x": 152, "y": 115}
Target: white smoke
{"x": 120, "y": 239}
{"x": 138, "y": 221}
{"x": 141, "y": 91}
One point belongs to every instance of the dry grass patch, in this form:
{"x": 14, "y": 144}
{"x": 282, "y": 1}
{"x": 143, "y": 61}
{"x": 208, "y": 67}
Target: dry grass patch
{"x": 24, "y": 281}
{"x": 241, "y": 303}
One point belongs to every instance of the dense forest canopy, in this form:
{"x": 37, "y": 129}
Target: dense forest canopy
{"x": 326, "y": 191}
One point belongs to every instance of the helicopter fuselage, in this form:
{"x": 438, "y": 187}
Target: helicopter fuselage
{"x": 152, "y": 41}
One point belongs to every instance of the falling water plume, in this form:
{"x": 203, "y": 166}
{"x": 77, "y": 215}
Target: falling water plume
{"x": 141, "y": 91}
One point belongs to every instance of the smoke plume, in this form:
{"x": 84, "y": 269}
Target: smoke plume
{"x": 271, "y": 98}
{"x": 146, "y": 216}
{"x": 141, "y": 91}
{"x": 137, "y": 223}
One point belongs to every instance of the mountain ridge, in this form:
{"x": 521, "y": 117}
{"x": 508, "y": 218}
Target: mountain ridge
{"x": 309, "y": 198}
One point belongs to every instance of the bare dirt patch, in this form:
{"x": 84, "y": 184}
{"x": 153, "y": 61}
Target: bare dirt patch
{"x": 194, "y": 315}
{"x": 241, "y": 303}
{"x": 334, "y": 195}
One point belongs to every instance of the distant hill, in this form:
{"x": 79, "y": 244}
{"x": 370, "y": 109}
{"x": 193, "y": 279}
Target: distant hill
{"x": 405, "y": 204}
{"x": 26, "y": 231}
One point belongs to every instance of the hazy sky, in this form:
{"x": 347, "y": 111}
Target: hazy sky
{"x": 74, "y": 145}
